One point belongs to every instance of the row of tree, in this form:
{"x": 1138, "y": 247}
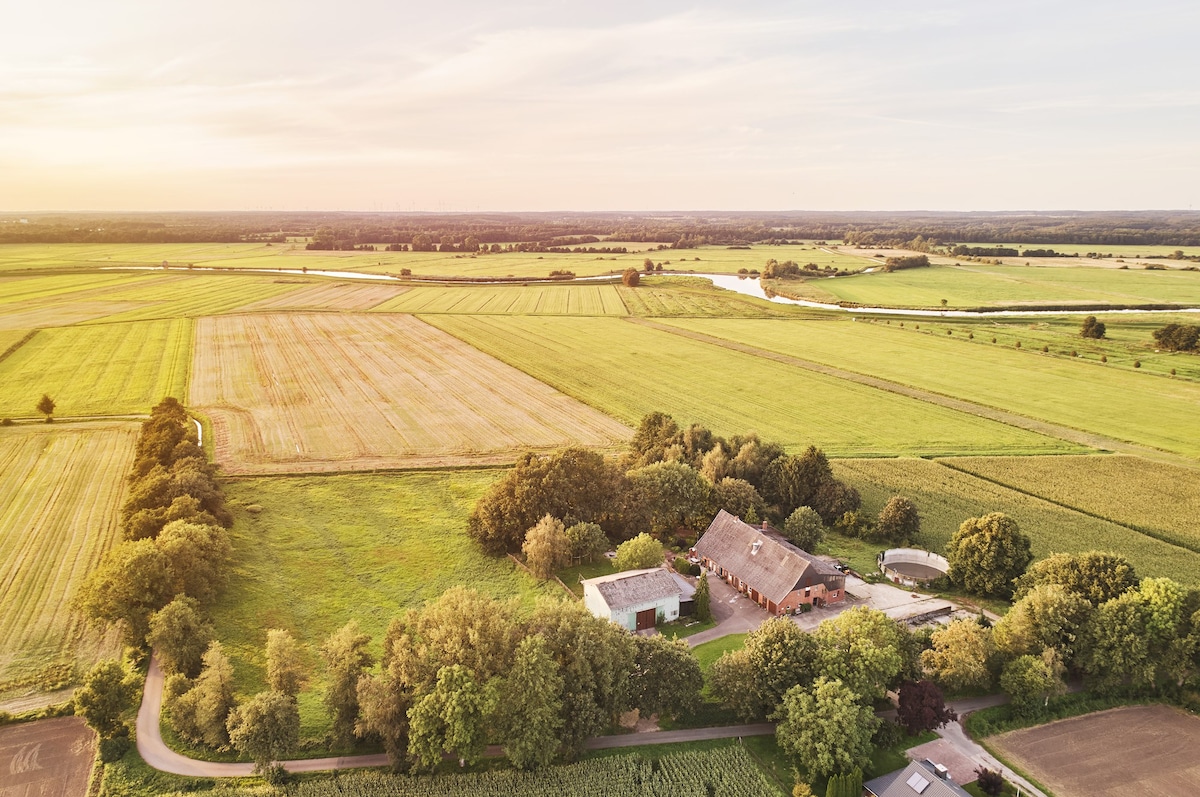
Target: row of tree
{"x": 670, "y": 483}
{"x": 1083, "y": 615}
{"x": 456, "y": 674}
{"x": 1178, "y": 337}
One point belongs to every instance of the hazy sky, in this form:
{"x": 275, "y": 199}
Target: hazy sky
{"x": 255, "y": 104}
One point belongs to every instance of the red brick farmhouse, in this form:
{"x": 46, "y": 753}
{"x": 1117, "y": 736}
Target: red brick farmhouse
{"x": 760, "y": 563}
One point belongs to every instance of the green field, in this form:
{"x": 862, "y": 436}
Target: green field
{"x": 59, "y": 496}
{"x": 189, "y": 295}
{"x": 946, "y": 497}
{"x": 535, "y": 299}
{"x": 313, "y": 553}
{"x": 1161, "y": 500}
{"x": 1120, "y": 403}
{"x": 628, "y": 371}
{"x": 98, "y": 370}
{"x": 971, "y": 285}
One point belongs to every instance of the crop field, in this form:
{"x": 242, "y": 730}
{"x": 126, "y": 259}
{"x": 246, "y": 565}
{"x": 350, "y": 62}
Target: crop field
{"x": 51, "y": 756}
{"x": 946, "y": 497}
{"x": 533, "y": 299}
{"x": 1159, "y": 499}
{"x": 10, "y": 337}
{"x": 59, "y": 496}
{"x": 1119, "y": 403}
{"x": 628, "y": 370}
{"x": 1132, "y": 750}
{"x": 327, "y": 296}
{"x": 97, "y": 370}
{"x": 977, "y": 285}
{"x": 313, "y": 553}
{"x": 189, "y": 295}
{"x": 317, "y": 392}
{"x": 726, "y": 770}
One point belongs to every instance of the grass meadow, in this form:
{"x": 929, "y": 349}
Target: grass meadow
{"x": 946, "y": 497}
{"x": 59, "y": 496}
{"x": 1119, "y": 403}
{"x": 969, "y": 285}
{"x": 98, "y": 370}
{"x": 628, "y": 370}
{"x": 313, "y": 553}
{"x": 532, "y": 299}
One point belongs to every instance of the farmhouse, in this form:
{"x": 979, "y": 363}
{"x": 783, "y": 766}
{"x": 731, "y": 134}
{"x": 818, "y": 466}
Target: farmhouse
{"x": 919, "y": 777}
{"x": 635, "y": 599}
{"x": 760, "y": 563}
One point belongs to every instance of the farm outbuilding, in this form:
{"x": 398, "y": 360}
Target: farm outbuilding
{"x": 636, "y": 600}
{"x": 760, "y": 563}
{"x": 912, "y": 566}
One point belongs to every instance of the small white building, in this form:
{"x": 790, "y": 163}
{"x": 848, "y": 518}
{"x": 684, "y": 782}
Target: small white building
{"x": 634, "y": 599}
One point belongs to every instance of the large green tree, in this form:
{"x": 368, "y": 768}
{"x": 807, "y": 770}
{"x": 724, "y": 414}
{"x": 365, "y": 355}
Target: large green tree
{"x": 1030, "y": 682}
{"x": 199, "y": 714}
{"x": 198, "y": 557}
{"x": 107, "y": 694}
{"x": 961, "y": 654}
{"x": 179, "y": 633}
{"x": 899, "y": 521}
{"x": 669, "y": 497}
{"x": 777, "y": 656}
{"x": 346, "y": 659}
{"x": 702, "y": 600}
{"x": 639, "y": 553}
{"x": 804, "y": 529}
{"x": 987, "y": 553}
{"x": 1098, "y": 576}
{"x": 266, "y": 728}
{"x": 666, "y": 677}
{"x": 826, "y": 726}
{"x": 547, "y": 547}
{"x": 450, "y": 719}
{"x": 287, "y": 671}
{"x": 528, "y": 715}
{"x": 1047, "y": 617}
{"x": 861, "y": 647}
{"x": 132, "y": 582}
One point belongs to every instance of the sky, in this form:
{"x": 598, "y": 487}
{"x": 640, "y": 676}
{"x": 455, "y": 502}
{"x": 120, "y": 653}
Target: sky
{"x": 475, "y": 106}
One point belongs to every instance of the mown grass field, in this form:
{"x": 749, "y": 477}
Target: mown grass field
{"x": 326, "y": 295}
{"x": 628, "y": 370}
{"x": 59, "y": 496}
{"x": 1161, "y": 500}
{"x": 970, "y": 285}
{"x": 1120, "y": 403}
{"x": 97, "y": 370}
{"x": 946, "y": 497}
{"x": 532, "y": 299}
{"x": 694, "y": 296}
{"x": 315, "y": 392}
{"x": 312, "y": 553}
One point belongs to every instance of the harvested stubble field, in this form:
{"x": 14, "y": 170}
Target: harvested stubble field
{"x": 47, "y": 757}
{"x": 313, "y": 553}
{"x": 108, "y": 369}
{"x": 946, "y": 497}
{"x": 182, "y": 294}
{"x": 296, "y": 392}
{"x": 979, "y": 285}
{"x": 59, "y": 496}
{"x": 693, "y": 296}
{"x": 1134, "y": 750}
{"x": 1159, "y": 499}
{"x": 1118, "y": 403}
{"x": 327, "y": 296}
{"x": 532, "y": 299}
{"x": 629, "y": 370}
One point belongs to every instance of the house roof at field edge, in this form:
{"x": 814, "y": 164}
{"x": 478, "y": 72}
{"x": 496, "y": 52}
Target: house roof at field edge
{"x": 632, "y": 587}
{"x": 760, "y": 557}
{"x": 896, "y": 784}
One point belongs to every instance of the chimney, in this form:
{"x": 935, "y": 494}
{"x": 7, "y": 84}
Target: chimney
{"x": 766, "y": 526}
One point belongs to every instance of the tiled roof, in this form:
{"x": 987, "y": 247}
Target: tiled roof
{"x": 760, "y": 557}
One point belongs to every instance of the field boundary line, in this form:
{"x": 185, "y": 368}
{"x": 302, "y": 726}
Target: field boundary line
{"x": 13, "y": 348}
{"x": 1007, "y": 417}
{"x": 1194, "y": 547}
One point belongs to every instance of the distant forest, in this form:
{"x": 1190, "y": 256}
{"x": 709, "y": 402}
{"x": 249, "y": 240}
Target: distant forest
{"x": 545, "y": 231}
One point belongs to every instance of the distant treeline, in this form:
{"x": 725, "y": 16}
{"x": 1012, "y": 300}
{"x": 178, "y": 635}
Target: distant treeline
{"x": 1005, "y": 251}
{"x": 552, "y": 231}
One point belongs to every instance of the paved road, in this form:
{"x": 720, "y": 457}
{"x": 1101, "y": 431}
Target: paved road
{"x": 955, "y": 734}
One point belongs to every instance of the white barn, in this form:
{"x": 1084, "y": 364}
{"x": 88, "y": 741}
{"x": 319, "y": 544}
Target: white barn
{"x": 634, "y": 599}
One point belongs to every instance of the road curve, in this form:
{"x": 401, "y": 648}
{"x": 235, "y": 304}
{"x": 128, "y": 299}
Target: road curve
{"x": 154, "y": 751}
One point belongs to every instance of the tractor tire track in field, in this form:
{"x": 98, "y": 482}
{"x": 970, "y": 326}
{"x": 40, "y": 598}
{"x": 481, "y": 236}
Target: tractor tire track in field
{"x": 1046, "y": 428}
